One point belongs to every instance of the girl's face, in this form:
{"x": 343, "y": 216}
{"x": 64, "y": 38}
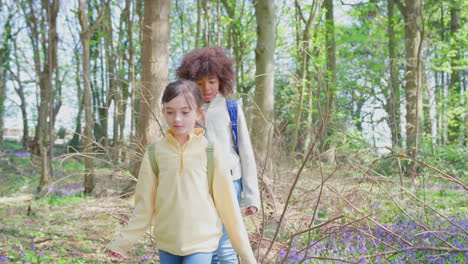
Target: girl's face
{"x": 209, "y": 86}
{"x": 181, "y": 117}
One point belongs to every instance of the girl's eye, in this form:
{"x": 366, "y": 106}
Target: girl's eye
{"x": 186, "y": 113}
{"x": 169, "y": 113}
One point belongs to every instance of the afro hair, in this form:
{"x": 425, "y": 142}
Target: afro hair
{"x": 208, "y": 62}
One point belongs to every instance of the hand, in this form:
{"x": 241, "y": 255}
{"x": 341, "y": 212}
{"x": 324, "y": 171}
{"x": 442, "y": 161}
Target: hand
{"x": 251, "y": 210}
{"x": 115, "y": 254}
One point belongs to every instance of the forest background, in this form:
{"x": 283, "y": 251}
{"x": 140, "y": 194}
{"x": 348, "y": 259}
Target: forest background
{"x": 356, "y": 109}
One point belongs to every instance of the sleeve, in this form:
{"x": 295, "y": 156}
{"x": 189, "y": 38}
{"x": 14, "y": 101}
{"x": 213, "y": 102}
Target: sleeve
{"x": 145, "y": 197}
{"x": 249, "y": 167}
{"x": 229, "y": 211}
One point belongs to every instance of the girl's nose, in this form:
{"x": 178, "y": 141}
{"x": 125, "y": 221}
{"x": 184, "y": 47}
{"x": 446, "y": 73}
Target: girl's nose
{"x": 178, "y": 117}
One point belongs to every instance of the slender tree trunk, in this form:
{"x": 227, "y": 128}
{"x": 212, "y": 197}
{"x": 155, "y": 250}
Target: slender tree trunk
{"x": 455, "y": 134}
{"x": 426, "y": 119}
{"x": 199, "y": 14}
{"x": 218, "y": 23}
{"x": 303, "y": 46}
{"x": 2, "y": 92}
{"x": 441, "y": 113}
{"x": 413, "y": 37}
{"x": 207, "y": 25}
{"x": 43, "y": 139}
{"x": 154, "y": 76}
{"x": 75, "y": 141}
{"x": 20, "y": 91}
{"x": 264, "y": 75}
{"x": 330, "y": 77}
{"x": 181, "y": 15}
{"x": 110, "y": 93}
{"x": 88, "y": 139}
{"x": 392, "y": 105}
{"x": 135, "y": 86}
{"x": 4, "y": 66}
{"x": 121, "y": 92}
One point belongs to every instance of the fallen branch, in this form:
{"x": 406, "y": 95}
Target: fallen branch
{"x": 20, "y": 198}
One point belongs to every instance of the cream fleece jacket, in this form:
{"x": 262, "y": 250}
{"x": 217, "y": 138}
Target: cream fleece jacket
{"x": 242, "y": 165}
{"x": 177, "y": 202}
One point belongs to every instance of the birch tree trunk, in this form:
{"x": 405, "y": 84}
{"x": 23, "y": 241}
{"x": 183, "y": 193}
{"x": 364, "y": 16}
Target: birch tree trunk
{"x": 154, "y": 76}
{"x": 264, "y": 76}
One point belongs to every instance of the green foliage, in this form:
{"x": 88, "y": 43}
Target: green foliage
{"x": 61, "y": 132}
{"x": 11, "y": 145}
{"x": 448, "y": 158}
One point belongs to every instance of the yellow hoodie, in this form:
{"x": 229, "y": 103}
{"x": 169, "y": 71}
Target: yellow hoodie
{"x": 178, "y": 203}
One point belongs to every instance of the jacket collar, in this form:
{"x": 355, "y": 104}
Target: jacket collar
{"x": 195, "y": 135}
{"x": 218, "y": 99}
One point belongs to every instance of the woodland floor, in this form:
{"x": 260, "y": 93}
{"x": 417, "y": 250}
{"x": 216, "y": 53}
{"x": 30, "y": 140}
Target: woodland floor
{"x": 64, "y": 226}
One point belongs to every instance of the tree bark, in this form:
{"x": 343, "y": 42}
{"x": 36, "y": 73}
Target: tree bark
{"x": 392, "y": 105}
{"x": 112, "y": 80}
{"x": 330, "y": 76}
{"x": 455, "y": 92}
{"x": 20, "y": 91}
{"x": 88, "y": 140}
{"x": 303, "y": 45}
{"x": 198, "y": 34}
{"x": 76, "y": 140}
{"x": 413, "y": 36}
{"x": 44, "y": 72}
{"x": 264, "y": 76}
{"x": 4, "y": 66}
{"x": 154, "y": 76}
{"x": 136, "y": 89}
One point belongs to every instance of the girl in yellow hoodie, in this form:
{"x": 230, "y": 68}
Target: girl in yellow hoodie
{"x": 186, "y": 216}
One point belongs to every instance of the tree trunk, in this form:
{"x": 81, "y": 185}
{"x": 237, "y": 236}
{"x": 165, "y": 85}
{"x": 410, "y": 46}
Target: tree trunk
{"x": 75, "y": 141}
{"x": 392, "y": 105}
{"x": 303, "y": 45}
{"x": 2, "y": 92}
{"x": 412, "y": 14}
{"x": 154, "y": 76}
{"x": 112, "y": 80}
{"x": 330, "y": 76}
{"x": 88, "y": 139}
{"x": 135, "y": 86}
{"x": 198, "y": 34}
{"x": 441, "y": 111}
{"x": 455, "y": 134}
{"x": 4, "y": 66}
{"x": 207, "y": 25}
{"x": 20, "y": 91}
{"x": 264, "y": 80}
{"x": 44, "y": 72}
